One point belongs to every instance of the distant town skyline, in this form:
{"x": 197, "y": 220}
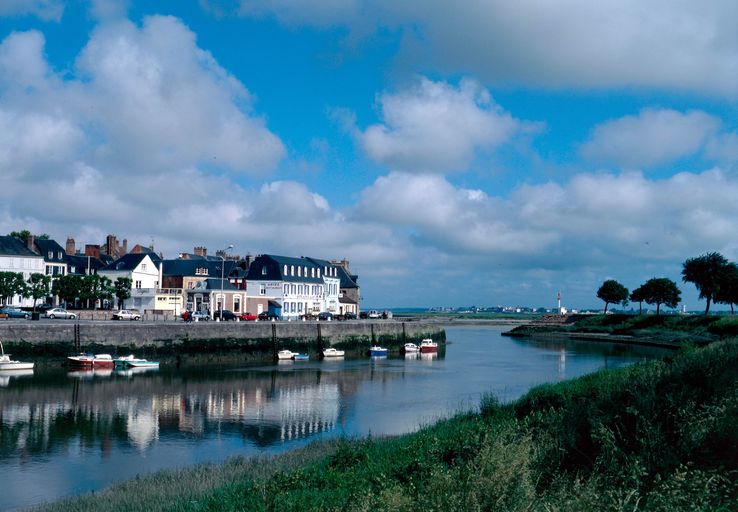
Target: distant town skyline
{"x": 478, "y": 153}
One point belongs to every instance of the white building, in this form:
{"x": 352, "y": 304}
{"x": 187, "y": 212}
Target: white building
{"x": 144, "y": 271}
{"x": 16, "y": 257}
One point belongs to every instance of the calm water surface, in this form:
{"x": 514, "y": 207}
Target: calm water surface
{"x": 65, "y": 433}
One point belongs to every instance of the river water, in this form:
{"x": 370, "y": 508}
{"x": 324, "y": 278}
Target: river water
{"x": 65, "y": 433}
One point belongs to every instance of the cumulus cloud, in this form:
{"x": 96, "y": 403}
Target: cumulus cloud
{"x": 653, "y": 137}
{"x": 435, "y": 126}
{"x": 47, "y": 10}
{"x": 663, "y": 44}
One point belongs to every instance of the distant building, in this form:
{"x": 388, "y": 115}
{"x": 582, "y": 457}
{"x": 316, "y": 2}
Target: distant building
{"x": 15, "y": 256}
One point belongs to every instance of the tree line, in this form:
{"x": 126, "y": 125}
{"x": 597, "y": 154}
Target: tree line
{"x": 714, "y": 276}
{"x": 71, "y": 289}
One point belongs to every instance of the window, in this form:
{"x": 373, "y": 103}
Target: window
{"x": 51, "y": 255}
{"x": 138, "y": 284}
{"x": 236, "y": 304}
{"x": 312, "y": 272}
{"x": 264, "y": 270}
{"x": 299, "y": 289}
{"x": 293, "y": 289}
{"x": 318, "y": 273}
{"x": 306, "y": 271}
{"x": 285, "y": 270}
{"x": 299, "y": 307}
{"x": 286, "y": 289}
{"x": 299, "y": 271}
{"x": 292, "y": 270}
{"x": 292, "y": 307}
{"x": 143, "y": 267}
{"x": 48, "y": 270}
{"x": 262, "y": 289}
{"x": 60, "y": 256}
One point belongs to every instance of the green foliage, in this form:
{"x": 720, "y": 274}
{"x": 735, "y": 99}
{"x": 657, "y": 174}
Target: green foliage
{"x": 68, "y": 287}
{"x": 660, "y": 291}
{"x": 613, "y": 292}
{"x": 39, "y": 286}
{"x": 706, "y": 272}
{"x": 11, "y": 283}
{"x": 727, "y": 293}
{"x": 123, "y": 290}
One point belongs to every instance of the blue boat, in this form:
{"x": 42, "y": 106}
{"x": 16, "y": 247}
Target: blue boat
{"x": 377, "y": 351}
{"x": 300, "y": 357}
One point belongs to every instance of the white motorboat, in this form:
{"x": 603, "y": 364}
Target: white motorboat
{"x": 332, "y": 352}
{"x": 7, "y": 364}
{"x": 285, "y": 354}
{"x": 131, "y": 361}
{"x": 410, "y": 348}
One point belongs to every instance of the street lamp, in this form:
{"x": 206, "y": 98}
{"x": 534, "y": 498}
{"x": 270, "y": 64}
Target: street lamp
{"x": 222, "y": 277}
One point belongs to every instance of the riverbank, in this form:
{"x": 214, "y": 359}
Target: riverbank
{"x": 661, "y": 435}
{"x": 59, "y": 337}
{"x": 667, "y": 331}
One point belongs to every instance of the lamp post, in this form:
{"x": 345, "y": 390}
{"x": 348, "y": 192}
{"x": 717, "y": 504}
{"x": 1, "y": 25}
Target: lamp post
{"x": 222, "y": 277}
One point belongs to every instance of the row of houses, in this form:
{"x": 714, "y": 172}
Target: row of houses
{"x": 288, "y": 287}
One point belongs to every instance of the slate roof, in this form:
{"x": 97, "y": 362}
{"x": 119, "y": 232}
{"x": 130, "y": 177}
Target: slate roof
{"x": 275, "y": 264}
{"x": 12, "y": 246}
{"x": 188, "y": 267}
{"x": 79, "y": 262}
{"x": 347, "y": 280}
{"x": 129, "y": 262}
{"x": 44, "y": 246}
{"x": 213, "y": 284}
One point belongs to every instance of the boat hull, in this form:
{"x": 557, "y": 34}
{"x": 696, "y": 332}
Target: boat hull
{"x": 16, "y": 365}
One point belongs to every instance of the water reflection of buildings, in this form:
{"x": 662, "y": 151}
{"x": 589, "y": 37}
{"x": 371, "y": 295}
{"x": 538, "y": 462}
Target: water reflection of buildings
{"x": 264, "y": 410}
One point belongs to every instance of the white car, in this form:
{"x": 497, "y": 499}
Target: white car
{"x": 60, "y": 313}
{"x": 126, "y": 314}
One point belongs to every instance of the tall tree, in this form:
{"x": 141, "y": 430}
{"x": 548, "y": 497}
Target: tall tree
{"x": 68, "y": 288}
{"x": 728, "y": 291}
{"x": 123, "y": 290}
{"x": 638, "y": 296}
{"x": 11, "y": 284}
{"x": 39, "y": 286}
{"x": 661, "y": 290}
{"x": 706, "y": 273}
{"x": 96, "y": 288}
{"x": 613, "y": 292}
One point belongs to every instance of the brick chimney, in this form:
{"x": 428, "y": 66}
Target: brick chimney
{"x": 201, "y": 251}
{"x": 30, "y": 242}
{"x": 70, "y": 246}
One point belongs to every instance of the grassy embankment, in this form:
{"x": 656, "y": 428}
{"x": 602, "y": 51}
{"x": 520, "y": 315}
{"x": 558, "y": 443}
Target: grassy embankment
{"x": 657, "y": 436}
{"x": 672, "y": 328}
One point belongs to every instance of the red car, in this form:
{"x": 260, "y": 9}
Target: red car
{"x": 249, "y": 317}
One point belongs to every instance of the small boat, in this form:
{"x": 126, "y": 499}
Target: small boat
{"x": 284, "y": 355}
{"x": 300, "y": 357}
{"x": 91, "y": 360}
{"x": 332, "y": 352}
{"x": 131, "y": 361}
{"x": 410, "y": 348}
{"x": 428, "y": 346}
{"x": 7, "y": 364}
{"x": 376, "y": 350}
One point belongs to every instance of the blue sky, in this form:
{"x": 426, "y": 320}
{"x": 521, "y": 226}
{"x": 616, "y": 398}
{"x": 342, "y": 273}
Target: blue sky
{"x": 480, "y": 153}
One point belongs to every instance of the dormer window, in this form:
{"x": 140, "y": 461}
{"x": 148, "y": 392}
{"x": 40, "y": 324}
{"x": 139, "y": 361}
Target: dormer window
{"x": 299, "y": 271}
{"x": 318, "y": 273}
{"x": 60, "y": 256}
{"x": 285, "y": 270}
{"x": 312, "y": 272}
{"x": 292, "y": 270}
{"x": 201, "y": 271}
{"x": 306, "y": 271}
{"x": 264, "y": 270}
{"x": 51, "y": 255}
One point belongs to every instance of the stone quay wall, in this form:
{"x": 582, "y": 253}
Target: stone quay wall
{"x": 175, "y": 338}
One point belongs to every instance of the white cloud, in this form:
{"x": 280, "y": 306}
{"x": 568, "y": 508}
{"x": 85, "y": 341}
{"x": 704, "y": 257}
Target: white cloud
{"x": 679, "y": 45}
{"x": 653, "y": 137}
{"x": 436, "y": 127}
{"x": 47, "y": 10}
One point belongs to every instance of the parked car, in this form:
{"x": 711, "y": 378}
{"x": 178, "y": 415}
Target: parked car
{"x": 13, "y": 312}
{"x": 363, "y": 315}
{"x": 42, "y": 308}
{"x": 374, "y": 314}
{"x": 60, "y": 313}
{"x": 349, "y": 316}
{"x": 227, "y": 315}
{"x": 249, "y": 317}
{"x": 200, "y": 316}
{"x": 126, "y": 314}
{"x": 325, "y": 315}
{"x": 266, "y": 315}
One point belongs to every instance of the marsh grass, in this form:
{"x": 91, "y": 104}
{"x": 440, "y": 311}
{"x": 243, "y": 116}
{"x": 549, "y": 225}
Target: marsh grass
{"x": 657, "y": 436}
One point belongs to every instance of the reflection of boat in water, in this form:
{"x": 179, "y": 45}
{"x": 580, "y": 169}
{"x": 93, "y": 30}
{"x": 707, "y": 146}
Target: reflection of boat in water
{"x": 130, "y": 371}
{"x": 89, "y": 373}
{"x": 412, "y": 355}
{"x": 333, "y": 353}
{"x": 91, "y": 361}
{"x": 131, "y": 361}
{"x": 428, "y": 356}
{"x": 300, "y": 357}
{"x": 428, "y": 346}
{"x": 6, "y": 375}
{"x": 6, "y": 364}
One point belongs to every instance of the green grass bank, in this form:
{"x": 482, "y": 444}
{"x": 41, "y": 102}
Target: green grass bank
{"x": 655, "y": 436}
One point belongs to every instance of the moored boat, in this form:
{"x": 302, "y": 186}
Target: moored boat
{"x": 300, "y": 357}
{"x": 284, "y": 355}
{"x": 410, "y": 348}
{"x": 131, "y": 361}
{"x": 332, "y": 352}
{"x": 428, "y": 346}
{"x": 376, "y": 350}
{"x": 8, "y": 364}
{"x": 91, "y": 360}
